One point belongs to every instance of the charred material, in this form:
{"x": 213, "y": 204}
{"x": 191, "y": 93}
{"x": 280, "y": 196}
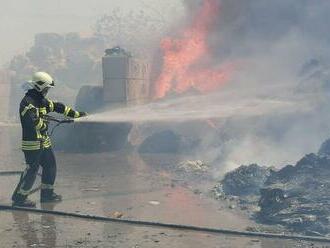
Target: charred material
{"x": 325, "y": 148}
{"x": 163, "y": 142}
{"x": 296, "y": 197}
{"x": 246, "y": 180}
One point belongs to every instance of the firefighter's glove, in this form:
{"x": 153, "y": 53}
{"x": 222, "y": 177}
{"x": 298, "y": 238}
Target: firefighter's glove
{"x": 82, "y": 114}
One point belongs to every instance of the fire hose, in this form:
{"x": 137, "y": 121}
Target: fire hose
{"x": 49, "y": 118}
{"x": 168, "y": 225}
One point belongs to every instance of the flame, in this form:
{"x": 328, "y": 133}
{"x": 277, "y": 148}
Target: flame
{"x": 183, "y": 57}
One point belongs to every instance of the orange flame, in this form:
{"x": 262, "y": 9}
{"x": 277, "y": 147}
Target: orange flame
{"x": 183, "y": 57}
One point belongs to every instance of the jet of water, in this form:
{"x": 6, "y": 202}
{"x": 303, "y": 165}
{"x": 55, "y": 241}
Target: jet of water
{"x": 224, "y": 105}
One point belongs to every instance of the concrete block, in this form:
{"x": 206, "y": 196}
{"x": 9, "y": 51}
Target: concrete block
{"x": 125, "y": 79}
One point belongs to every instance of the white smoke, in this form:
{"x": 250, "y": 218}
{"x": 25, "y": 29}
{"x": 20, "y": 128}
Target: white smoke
{"x": 273, "y": 42}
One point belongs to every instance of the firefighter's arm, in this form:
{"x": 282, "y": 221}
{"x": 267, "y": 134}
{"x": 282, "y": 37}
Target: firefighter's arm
{"x": 33, "y": 113}
{"x": 60, "y": 108}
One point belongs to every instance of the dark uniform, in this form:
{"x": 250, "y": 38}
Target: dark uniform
{"x": 36, "y": 144}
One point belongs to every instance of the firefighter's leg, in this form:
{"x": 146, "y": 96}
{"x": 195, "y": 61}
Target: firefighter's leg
{"x": 27, "y": 179}
{"x": 48, "y": 163}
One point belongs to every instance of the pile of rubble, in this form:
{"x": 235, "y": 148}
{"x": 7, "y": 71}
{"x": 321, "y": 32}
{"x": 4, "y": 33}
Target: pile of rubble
{"x": 163, "y": 142}
{"x": 167, "y": 141}
{"x": 244, "y": 181}
{"x": 196, "y": 166}
{"x": 296, "y": 197}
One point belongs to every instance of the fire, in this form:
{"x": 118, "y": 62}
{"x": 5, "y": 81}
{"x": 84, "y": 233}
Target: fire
{"x": 185, "y": 58}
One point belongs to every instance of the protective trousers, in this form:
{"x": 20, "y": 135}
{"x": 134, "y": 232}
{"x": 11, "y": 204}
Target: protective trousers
{"x": 44, "y": 158}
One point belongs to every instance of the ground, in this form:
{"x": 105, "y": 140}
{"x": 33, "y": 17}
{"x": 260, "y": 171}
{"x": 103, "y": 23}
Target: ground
{"x": 139, "y": 188}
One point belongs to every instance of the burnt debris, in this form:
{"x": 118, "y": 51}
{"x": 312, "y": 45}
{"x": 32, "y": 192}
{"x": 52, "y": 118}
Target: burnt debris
{"x": 246, "y": 180}
{"x": 296, "y": 196}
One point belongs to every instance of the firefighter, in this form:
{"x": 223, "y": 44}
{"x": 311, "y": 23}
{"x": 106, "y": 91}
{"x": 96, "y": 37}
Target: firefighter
{"x": 36, "y": 143}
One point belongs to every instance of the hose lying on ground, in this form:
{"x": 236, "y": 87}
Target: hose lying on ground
{"x": 10, "y": 173}
{"x": 168, "y": 225}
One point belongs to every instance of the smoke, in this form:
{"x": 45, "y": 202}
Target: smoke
{"x": 274, "y": 44}
{"x": 27, "y": 19}
{"x": 272, "y": 107}
{"x": 254, "y": 26}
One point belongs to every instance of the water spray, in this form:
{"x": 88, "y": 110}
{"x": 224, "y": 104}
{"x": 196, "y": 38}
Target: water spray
{"x": 196, "y": 108}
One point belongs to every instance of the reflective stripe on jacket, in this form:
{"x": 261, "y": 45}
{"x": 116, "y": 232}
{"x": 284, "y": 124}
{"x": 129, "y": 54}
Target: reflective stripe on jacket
{"x": 33, "y": 108}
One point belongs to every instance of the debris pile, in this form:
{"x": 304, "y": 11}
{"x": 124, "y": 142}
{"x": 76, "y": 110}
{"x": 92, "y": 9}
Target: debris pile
{"x": 325, "y": 148}
{"x": 196, "y": 166}
{"x": 162, "y": 142}
{"x": 246, "y": 180}
{"x": 90, "y": 98}
{"x": 296, "y": 197}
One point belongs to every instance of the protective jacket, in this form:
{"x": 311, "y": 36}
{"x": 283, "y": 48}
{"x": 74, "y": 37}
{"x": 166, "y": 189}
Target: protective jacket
{"x": 33, "y": 108}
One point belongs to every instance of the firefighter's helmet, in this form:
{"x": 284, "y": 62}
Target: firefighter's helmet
{"x": 41, "y": 81}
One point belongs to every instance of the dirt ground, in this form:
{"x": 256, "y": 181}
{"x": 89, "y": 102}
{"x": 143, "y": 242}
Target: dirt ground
{"x": 139, "y": 189}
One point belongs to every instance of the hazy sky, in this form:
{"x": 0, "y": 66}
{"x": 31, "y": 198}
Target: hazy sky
{"x": 20, "y": 20}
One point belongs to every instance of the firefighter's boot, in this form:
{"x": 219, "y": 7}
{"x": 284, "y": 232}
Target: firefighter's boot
{"x": 48, "y": 195}
{"x": 22, "y": 201}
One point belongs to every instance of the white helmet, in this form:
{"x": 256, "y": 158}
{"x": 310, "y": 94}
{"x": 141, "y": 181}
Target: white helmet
{"x": 41, "y": 81}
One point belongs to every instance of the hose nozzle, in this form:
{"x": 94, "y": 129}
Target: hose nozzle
{"x": 51, "y": 118}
